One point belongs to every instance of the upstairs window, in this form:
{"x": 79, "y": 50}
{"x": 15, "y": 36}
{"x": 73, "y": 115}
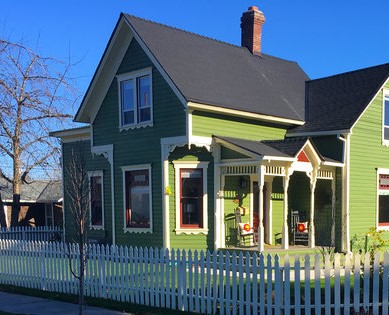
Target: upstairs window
{"x": 385, "y": 131}
{"x": 96, "y": 214}
{"x": 135, "y": 95}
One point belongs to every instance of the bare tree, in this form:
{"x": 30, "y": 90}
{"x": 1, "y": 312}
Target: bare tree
{"x": 77, "y": 190}
{"x": 35, "y": 95}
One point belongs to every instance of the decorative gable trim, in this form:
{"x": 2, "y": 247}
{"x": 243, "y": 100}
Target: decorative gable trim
{"x": 106, "y": 71}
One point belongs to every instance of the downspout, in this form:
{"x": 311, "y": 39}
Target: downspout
{"x": 346, "y": 191}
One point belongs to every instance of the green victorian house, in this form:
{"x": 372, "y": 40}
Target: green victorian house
{"x": 188, "y": 136}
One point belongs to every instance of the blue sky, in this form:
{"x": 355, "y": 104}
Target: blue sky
{"x": 324, "y": 37}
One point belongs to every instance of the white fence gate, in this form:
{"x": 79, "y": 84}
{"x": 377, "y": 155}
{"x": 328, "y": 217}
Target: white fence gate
{"x": 205, "y": 282}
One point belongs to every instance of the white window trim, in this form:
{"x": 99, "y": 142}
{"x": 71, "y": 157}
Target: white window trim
{"x": 380, "y": 171}
{"x": 129, "y": 76}
{"x": 135, "y": 168}
{"x": 96, "y": 174}
{"x": 385, "y": 95}
{"x": 178, "y": 165}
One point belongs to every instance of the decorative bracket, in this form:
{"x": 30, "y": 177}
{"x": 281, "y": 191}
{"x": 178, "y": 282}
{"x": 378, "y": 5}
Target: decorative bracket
{"x": 104, "y": 150}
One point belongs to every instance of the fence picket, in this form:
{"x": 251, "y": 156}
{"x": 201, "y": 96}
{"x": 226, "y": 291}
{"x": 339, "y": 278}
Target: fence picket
{"x": 207, "y": 283}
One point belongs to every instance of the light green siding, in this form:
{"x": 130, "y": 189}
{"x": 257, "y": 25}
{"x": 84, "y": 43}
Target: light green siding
{"x": 366, "y": 155}
{"x": 208, "y": 124}
{"x": 191, "y": 241}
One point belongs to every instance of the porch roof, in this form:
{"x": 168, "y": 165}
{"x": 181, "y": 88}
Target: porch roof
{"x": 284, "y": 148}
{"x": 253, "y": 146}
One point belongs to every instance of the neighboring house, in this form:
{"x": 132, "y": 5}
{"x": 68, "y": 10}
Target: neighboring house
{"x": 184, "y": 129}
{"x": 40, "y": 203}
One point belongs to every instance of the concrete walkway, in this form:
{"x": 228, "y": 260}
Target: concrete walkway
{"x": 23, "y": 304}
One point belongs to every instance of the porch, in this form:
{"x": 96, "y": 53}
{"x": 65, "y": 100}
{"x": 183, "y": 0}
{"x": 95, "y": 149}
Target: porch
{"x": 270, "y": 186}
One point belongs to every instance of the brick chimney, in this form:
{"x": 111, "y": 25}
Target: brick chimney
{"x": 251, "y": 24}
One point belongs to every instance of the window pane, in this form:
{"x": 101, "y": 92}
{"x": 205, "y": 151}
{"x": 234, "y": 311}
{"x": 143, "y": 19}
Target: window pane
{"x": 144, "y": 92}
{"x": 96, "y": 200}
{"x": 192, "y": 197}
{"x": 383, "y": 215}
{"x": 386, "y": 111}
{"x": 127, "y": 94}
{"x": 386, "y": 133}
{"x": 144, "y": 114}
{"x": 127, "y": 90}
{"x": 128, "y": 118}
{"x": 137, "y": 199}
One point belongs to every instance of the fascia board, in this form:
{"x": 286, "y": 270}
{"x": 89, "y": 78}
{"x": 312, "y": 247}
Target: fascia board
{"x": 240, "y": 113}
{"x": 318, "y": 133}
{"x": 81, "y": 115}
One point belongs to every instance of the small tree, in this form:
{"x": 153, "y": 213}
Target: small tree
{"x": 77, "y": 190}
{"x": 35, "y": 95}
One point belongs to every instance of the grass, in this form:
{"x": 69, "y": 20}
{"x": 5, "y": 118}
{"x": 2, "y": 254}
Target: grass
{"x": 96, "y": 302}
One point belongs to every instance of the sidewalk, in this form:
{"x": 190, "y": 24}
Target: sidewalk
{"x": 24, "y": 304}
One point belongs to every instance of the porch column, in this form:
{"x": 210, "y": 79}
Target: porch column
{"x": 261, "y": 231}
{"x": 312, "y": 209}
{"x": 269, "y": 221}
{"x": 285, "y": 228}
{"x": 218, "y": 221}
{"x": 333, "y": 188}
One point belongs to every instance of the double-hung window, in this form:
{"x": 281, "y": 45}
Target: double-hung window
{"x": 96, "y": 201}
{"x": 135, "y": 98}
{"x": 137, "y": 198}
{"x": 385, "y": 119}
{"x": 383, "y": 199}
{"x": 191, "y": 197}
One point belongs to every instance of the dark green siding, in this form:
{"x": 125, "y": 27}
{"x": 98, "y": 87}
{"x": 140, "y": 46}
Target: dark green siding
{"x": 329, "y": 146}
{"x": 137, "y": 146}
{"x": 92, "y": 163}
{"x": 367, "y": 153}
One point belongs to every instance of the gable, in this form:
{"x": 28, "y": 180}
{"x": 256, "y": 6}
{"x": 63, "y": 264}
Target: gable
{"x": 335, "y": 103}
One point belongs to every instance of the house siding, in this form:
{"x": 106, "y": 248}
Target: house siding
{"x": 91, "y": 163}
{"x": 208, "y": 124}
{"x": 191, "y": 241}
{"x": 366, "y": 155}
{"x": 136, "y": 146}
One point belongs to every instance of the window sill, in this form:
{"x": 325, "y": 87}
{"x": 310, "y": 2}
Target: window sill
{"x": 191, "y": 231}
{"x": 140, "y": 230}
{"x": 383, "y": 227}
{"x": 136, "y": 126}
{"x": 96, "y": 227}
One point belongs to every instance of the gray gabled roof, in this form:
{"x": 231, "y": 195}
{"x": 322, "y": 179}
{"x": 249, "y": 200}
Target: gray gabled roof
{"x": 211, "y": 72}
{"x": 336, "y": 102}
{"x": 36, "y": 191}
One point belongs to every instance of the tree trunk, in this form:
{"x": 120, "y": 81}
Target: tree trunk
{"x": 3, "y": 221}
{"x": 15, "y": 210}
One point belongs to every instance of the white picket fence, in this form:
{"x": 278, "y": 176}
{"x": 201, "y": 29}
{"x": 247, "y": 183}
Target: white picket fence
{"x": 205, "y": 282}
{"x": 28, "y": 233}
